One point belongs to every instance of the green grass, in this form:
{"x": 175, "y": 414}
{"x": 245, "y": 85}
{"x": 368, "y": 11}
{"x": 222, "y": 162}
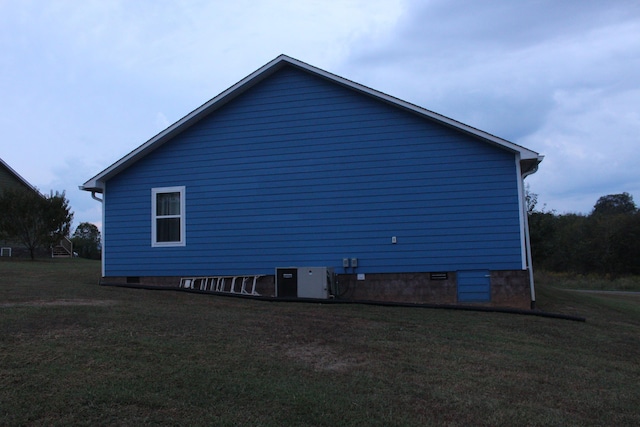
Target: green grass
{"x": 75, "y": 353}
{"x": 589, "y": 282}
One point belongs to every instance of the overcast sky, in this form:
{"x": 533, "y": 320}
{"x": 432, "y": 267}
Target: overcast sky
{"x": 85, "y": 82}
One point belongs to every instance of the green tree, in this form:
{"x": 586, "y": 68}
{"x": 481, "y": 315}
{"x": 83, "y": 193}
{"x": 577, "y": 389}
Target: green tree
{"x": 626, "y": 248}
{"x": 570, "y": 244}
{"x": 613, "y": 204}
{"x": 613, "y": 234}
{"x": 34, "y": 220}
{"x": 86, "y": 241}
{"x": 605, "y": 242}
{"x": 531, "y": 199}
{"x": 542, "y": 231}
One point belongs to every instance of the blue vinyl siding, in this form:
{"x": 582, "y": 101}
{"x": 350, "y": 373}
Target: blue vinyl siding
{"x": 299, "y": 171}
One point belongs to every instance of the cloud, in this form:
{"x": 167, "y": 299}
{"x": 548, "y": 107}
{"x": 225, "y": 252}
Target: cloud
{"x": 557, "y": 77}
{"x": 162, "y": 122}
{"x": 592, "y": 138}
{"x": 84, "y": 83}
{"x": 194, "y": 41}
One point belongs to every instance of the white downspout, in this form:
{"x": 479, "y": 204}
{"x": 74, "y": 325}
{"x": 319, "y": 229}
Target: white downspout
{"x": 94, "y": 197}
{"x": 102, "y": 249}
{"x": 527, "y": 239}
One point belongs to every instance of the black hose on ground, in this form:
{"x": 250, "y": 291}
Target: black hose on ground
{"x": 507, "y": 310}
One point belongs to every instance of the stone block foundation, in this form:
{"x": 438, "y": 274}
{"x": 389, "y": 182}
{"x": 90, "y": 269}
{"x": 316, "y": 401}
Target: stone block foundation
{"x": 508, "y": 288}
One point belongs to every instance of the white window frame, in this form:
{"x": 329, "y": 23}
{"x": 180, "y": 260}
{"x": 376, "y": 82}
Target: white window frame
{"x": 154, "y": 217}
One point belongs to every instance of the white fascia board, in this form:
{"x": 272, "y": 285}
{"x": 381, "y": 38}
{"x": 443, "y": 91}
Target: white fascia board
{"x": 97, "y": 182}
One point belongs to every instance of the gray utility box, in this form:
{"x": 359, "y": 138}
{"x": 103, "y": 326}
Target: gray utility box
{"x": 304, "y": 282}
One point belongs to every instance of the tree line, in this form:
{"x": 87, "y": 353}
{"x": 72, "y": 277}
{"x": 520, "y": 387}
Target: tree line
{"x": 605, "y": 242}
{"x": 37, "y": 222}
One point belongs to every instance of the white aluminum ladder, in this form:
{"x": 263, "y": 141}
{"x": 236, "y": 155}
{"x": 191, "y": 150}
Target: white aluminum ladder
{"x": 219, "y": 284}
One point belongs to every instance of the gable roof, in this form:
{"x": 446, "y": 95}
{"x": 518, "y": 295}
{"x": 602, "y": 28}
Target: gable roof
{"x": 16, "y": 176}
{"x": 529, "y": 159}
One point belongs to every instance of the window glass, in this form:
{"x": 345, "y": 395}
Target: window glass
{"x": 168, "y": 229}
{"x": 167, "y": 204}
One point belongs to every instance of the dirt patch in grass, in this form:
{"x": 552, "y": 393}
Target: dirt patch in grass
{"x": 59, "y": 303}
{"x": 319, "y": 357}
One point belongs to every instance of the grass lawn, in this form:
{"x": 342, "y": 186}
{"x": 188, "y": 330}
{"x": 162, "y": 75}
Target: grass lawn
{"x": 75, "y": 353}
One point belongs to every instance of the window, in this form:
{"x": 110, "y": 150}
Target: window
{"x": 167, "y": 216}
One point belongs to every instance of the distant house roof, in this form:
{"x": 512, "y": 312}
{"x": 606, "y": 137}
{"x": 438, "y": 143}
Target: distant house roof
{"x": 11, "y": 178}
{"x": 529, "y": 159}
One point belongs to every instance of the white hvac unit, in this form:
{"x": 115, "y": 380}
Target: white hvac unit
{"x": 304, "y": 282}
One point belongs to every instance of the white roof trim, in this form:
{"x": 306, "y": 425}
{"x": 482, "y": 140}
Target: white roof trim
{"x": 96, "y": 183}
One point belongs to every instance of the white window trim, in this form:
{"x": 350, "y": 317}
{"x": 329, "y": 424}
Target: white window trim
{"x": 183, "y": 236}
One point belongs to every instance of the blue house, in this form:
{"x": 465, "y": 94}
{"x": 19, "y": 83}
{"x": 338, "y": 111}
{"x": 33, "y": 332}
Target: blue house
{"x": 296, "y": 182}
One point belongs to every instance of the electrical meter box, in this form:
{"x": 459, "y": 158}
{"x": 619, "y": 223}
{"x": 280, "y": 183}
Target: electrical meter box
{"x": 304, "y": 282}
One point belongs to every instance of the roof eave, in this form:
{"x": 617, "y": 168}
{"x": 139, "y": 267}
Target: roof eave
{"x": 91, "y": 186}
{"x": 529, "y": 166}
